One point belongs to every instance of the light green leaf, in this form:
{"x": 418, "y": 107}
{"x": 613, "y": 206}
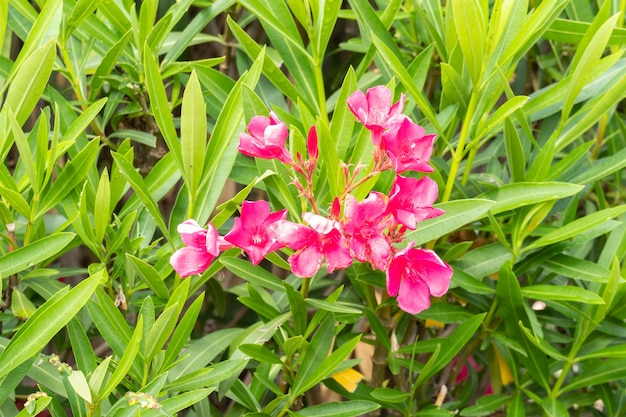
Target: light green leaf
{"x": 33, "y": 253}
{"x": 470, "y": 27}
{"x": 26, "y": 88}
{"x": 193, "y": 133}
{"x": 511, "y": 196}
{"x": 55, "y": 313}
{"x": 79, "y": 383}
{"x": 606, "y": 371}
{"x": 576, "y": 227}
{"x": 572, "y": 267}
{"x": 457, "y": 214}
{"x": 150, "y": 275}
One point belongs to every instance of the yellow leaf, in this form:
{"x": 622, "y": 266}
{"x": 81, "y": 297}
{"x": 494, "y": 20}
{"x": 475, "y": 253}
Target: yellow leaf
{"x": 348, "y": 378}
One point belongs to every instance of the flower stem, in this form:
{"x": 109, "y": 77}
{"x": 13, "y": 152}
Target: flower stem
{"x": 457, "y": 157}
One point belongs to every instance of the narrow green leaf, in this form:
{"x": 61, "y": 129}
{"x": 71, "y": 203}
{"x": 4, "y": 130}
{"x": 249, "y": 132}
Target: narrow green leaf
{"x": 405, "y": 78}
{"x": 101, "y": 213}
{"x": 457, "y": 214}
{"x": 572, "y": 267}
{"x": 511, "y": 196}
{"x": 30, "y": 81}
{"x": 470, "y": 27}
{"x": 139, "y": 185}
{"x": 33, "y": 253}
{"x": 55, "y": 313}
{"x": 313, "y": 357}
{"x": 74, "y": 174}
{"x": 452, "y": 345}
{"x": 260, "y": 353}
{"x": 150, "y": 276}
{"x": 577, "y": 227}
{"x": 255, "y": 275}
{"x": 343, "y": 409}
{"x": 602, "y": 168}
{"x": 182, "y": 332}
{"x": 125, "y": 363}
{"x": 193, "y": 133}
{"x": 81, "y": 346}
{"x": 108, "y": 62}
{"x": 161, "y": 330}
{"x": 16, "y": 201}
{"x": 161, "y": 110}
{"x": 512, "y": 310}
{"x": 485, "y": 405}
{"x": 608, "y": 370}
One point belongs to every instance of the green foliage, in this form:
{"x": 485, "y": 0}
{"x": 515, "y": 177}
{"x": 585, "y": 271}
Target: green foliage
{"x": 119, "y": 120}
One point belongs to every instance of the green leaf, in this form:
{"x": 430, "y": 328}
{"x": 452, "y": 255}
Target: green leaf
{"x": 81, "y": 346}
{"x": 572, "y": 267}
{"x": 26, "y": 88}
{"x": 74, "y": 174}
{"x": 554, "y": 408}
{"x": 16, "y": 201}
{"x": 576, "y": 227}
{"x": 259, "y": 353}
{"x": 161, "y": 110}
{"x": 399, "y": 70}
{"x": 108, "y": 62}
{"x": 139, "y": 185}
{"x": 209, "y": 376}
{"x": 315, "y": 354}
{"x": 125, "y": 363}
{"x": 486, "y": 405}
{"x": 512, "y": 310}
{"x": 79, "y": 384}
{"x": 255, "y": 275}
{"x": 608, "y": 370}
{"x": 193, "y": 133}
{"x": 561, "y": 293}
{"x": 202, "y": 351}
{"x": 343, "y": 409}
{"x": 602, "y": 168}
{"x": 470, "y": 25}
{"x": 586, "y": 58}
{"x": 451, "y": 346}
{"x": 33, "y": 253}
{"x": 150, "y": 276}
{"x": 511, "y": 196}
{"x": 182, "y": 332}
{"x": 457, "y": 214}
{"x": 55, "y": 313}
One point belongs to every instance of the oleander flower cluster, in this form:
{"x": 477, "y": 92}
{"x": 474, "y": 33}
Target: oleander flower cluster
{"x": 370, "y": 231}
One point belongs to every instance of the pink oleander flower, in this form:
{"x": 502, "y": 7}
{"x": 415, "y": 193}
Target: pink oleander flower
{"x": 411, "y": 200}
{"x": 266, "y": 140}
{"x": 322, "y": 240}
{"x": 375, "y": 110}
{"x": 202, "y": 246}
{"x": 364, "y": 223}
{"x": 253, "y": 231}
{"x": 416, "y": 274}
{"x": 408, "y": 147}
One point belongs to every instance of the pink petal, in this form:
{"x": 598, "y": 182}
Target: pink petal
{"x": 337, "y": 255}
{"x": 319, "y": 223}
{"x": 257, "y": 126}
{"x": 379, "y": 103}
{"x": 433, "y": 271}
{"x": 212, "y": 240}
{"x": 380, "y": 252}
{"x": 307, "y": 262}
{"x": 394, "y": 275}
{"x": 413, "y": 296}
{"x": 190, "y": 261}
{"x": 293, "y": 235}
{"x": 254, "y": 213}
{"x": 192, "y": 233}
{"x": 357, "y": 103}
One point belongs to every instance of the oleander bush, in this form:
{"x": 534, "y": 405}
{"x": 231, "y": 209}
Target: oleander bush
{"x": 312, "y": 208}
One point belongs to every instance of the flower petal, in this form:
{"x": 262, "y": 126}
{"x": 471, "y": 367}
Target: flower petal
{"x": 413, "y": 295}
{"x": 433, "y": 271}
{"x": 190, "y": 261}
{"x": 306, "y": 262}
